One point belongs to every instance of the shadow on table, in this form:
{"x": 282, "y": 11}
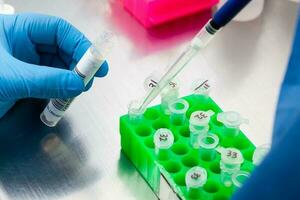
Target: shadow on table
{"x": 38, "y": 160}
{"x": 133, "y": 180}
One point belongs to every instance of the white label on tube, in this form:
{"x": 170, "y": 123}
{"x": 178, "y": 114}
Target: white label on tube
{"x": 88, "y": 66}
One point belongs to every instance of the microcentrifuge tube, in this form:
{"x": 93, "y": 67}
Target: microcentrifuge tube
{"x": 134, "y": 113}
{"x": 260, "y": 153}
{"x": 86, "y": 68}
{"x": 195, "y": 179}
{"x": 199, "y": 121}
{"x": 231, "y": 160}
{"x": 163, "y": 140}
{"x": 232, "y": 121}
{"x": 208, "y": 145}
{"x": 239, "y": 177}
{"x": 201, "y": 88}
{"x": 178, "y": 110}
{"x": 168, "y": 94}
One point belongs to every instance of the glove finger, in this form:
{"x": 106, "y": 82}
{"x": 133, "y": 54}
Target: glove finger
{"x": 40, "y": 82}
{"x": 89, "y": 85}
{"x": 45, "y": 30}
{"x": 52, "y": 61}
{"x": 103, "y": 70}
{"x": 48, "y": 30}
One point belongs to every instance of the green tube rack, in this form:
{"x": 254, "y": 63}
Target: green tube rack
{"x": 167, "y": 177}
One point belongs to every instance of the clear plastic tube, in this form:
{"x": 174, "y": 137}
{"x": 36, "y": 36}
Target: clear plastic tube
{"x": 168, "y": 95}
{"x": 195, "y": 178}
{"x": 163, "y": 141}
{"x": 208, "y": 144}
{"x": 135, "y": 115}
{"x": 199, "y": 121}
{"x": 86, "y": 68}
{"x": 231, "y": 160}
{"x": 201, "y": 88}
{"x": 239, "y": 177}
{"x": 178, "y": 110}
{"x": 232, "y": 121}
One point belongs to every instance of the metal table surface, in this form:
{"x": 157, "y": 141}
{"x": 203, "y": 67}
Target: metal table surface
{"x": 80, "y": 158}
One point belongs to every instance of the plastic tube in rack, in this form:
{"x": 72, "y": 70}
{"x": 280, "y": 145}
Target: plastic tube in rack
{"x": 163, "y": 140}
{"x": 169, "y": 93}
{"x": 260, "y": 153}
{"x": 134, "y": 113}
{"x": 86, "y": 68}
{"x": 232, "y": 121}
{"x": 199, "y": 121}
{"x": 231, "y": 160}
{"x": 239, "y": 177}
{"x": 208, "y": 145}
{"x": 178, "y": 110}
{"x": 195, "y": 178}
{"x": 201, "y": 88}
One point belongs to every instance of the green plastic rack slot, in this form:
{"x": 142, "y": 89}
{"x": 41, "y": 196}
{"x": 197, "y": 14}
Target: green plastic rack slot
{"x": 167, "y": 177}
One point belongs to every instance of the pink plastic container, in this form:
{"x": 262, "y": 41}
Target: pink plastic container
{"x": 155, "y": 12}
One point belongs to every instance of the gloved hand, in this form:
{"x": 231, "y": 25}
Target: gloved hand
{"x": 37, "y": 54}
{"x": 278, "y": 176}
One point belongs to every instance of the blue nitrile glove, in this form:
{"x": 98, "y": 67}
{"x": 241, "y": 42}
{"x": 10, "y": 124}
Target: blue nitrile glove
{"x": 278, "y": 177}
{"x": 37, "y": 53}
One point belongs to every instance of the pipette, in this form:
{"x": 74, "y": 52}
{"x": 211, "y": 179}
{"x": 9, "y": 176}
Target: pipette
{"x": 225, "y": 14}
{"x": 239, "y": 177}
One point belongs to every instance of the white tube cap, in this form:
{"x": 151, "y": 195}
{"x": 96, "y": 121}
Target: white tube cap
{"x": 163, "y": 138}
{"x": 196, "y": 177}
{"x": 231, "y": 119}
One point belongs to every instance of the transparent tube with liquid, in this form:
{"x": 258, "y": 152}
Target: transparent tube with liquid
{"x": 199, "y": 125}
{"x": 163, "y": 140}
{"x": 195, "y": 179}
{"x": 86, "y": 68}
{"x": 231, "y": 161}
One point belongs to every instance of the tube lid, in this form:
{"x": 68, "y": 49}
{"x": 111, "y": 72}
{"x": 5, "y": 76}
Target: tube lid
{"x": 196, "y": 177}
{"x": 231, "y": 156}
{"x": 231, "y": 119}
{"x": 199, "y": 118}
{"x": 163, "y": 138}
